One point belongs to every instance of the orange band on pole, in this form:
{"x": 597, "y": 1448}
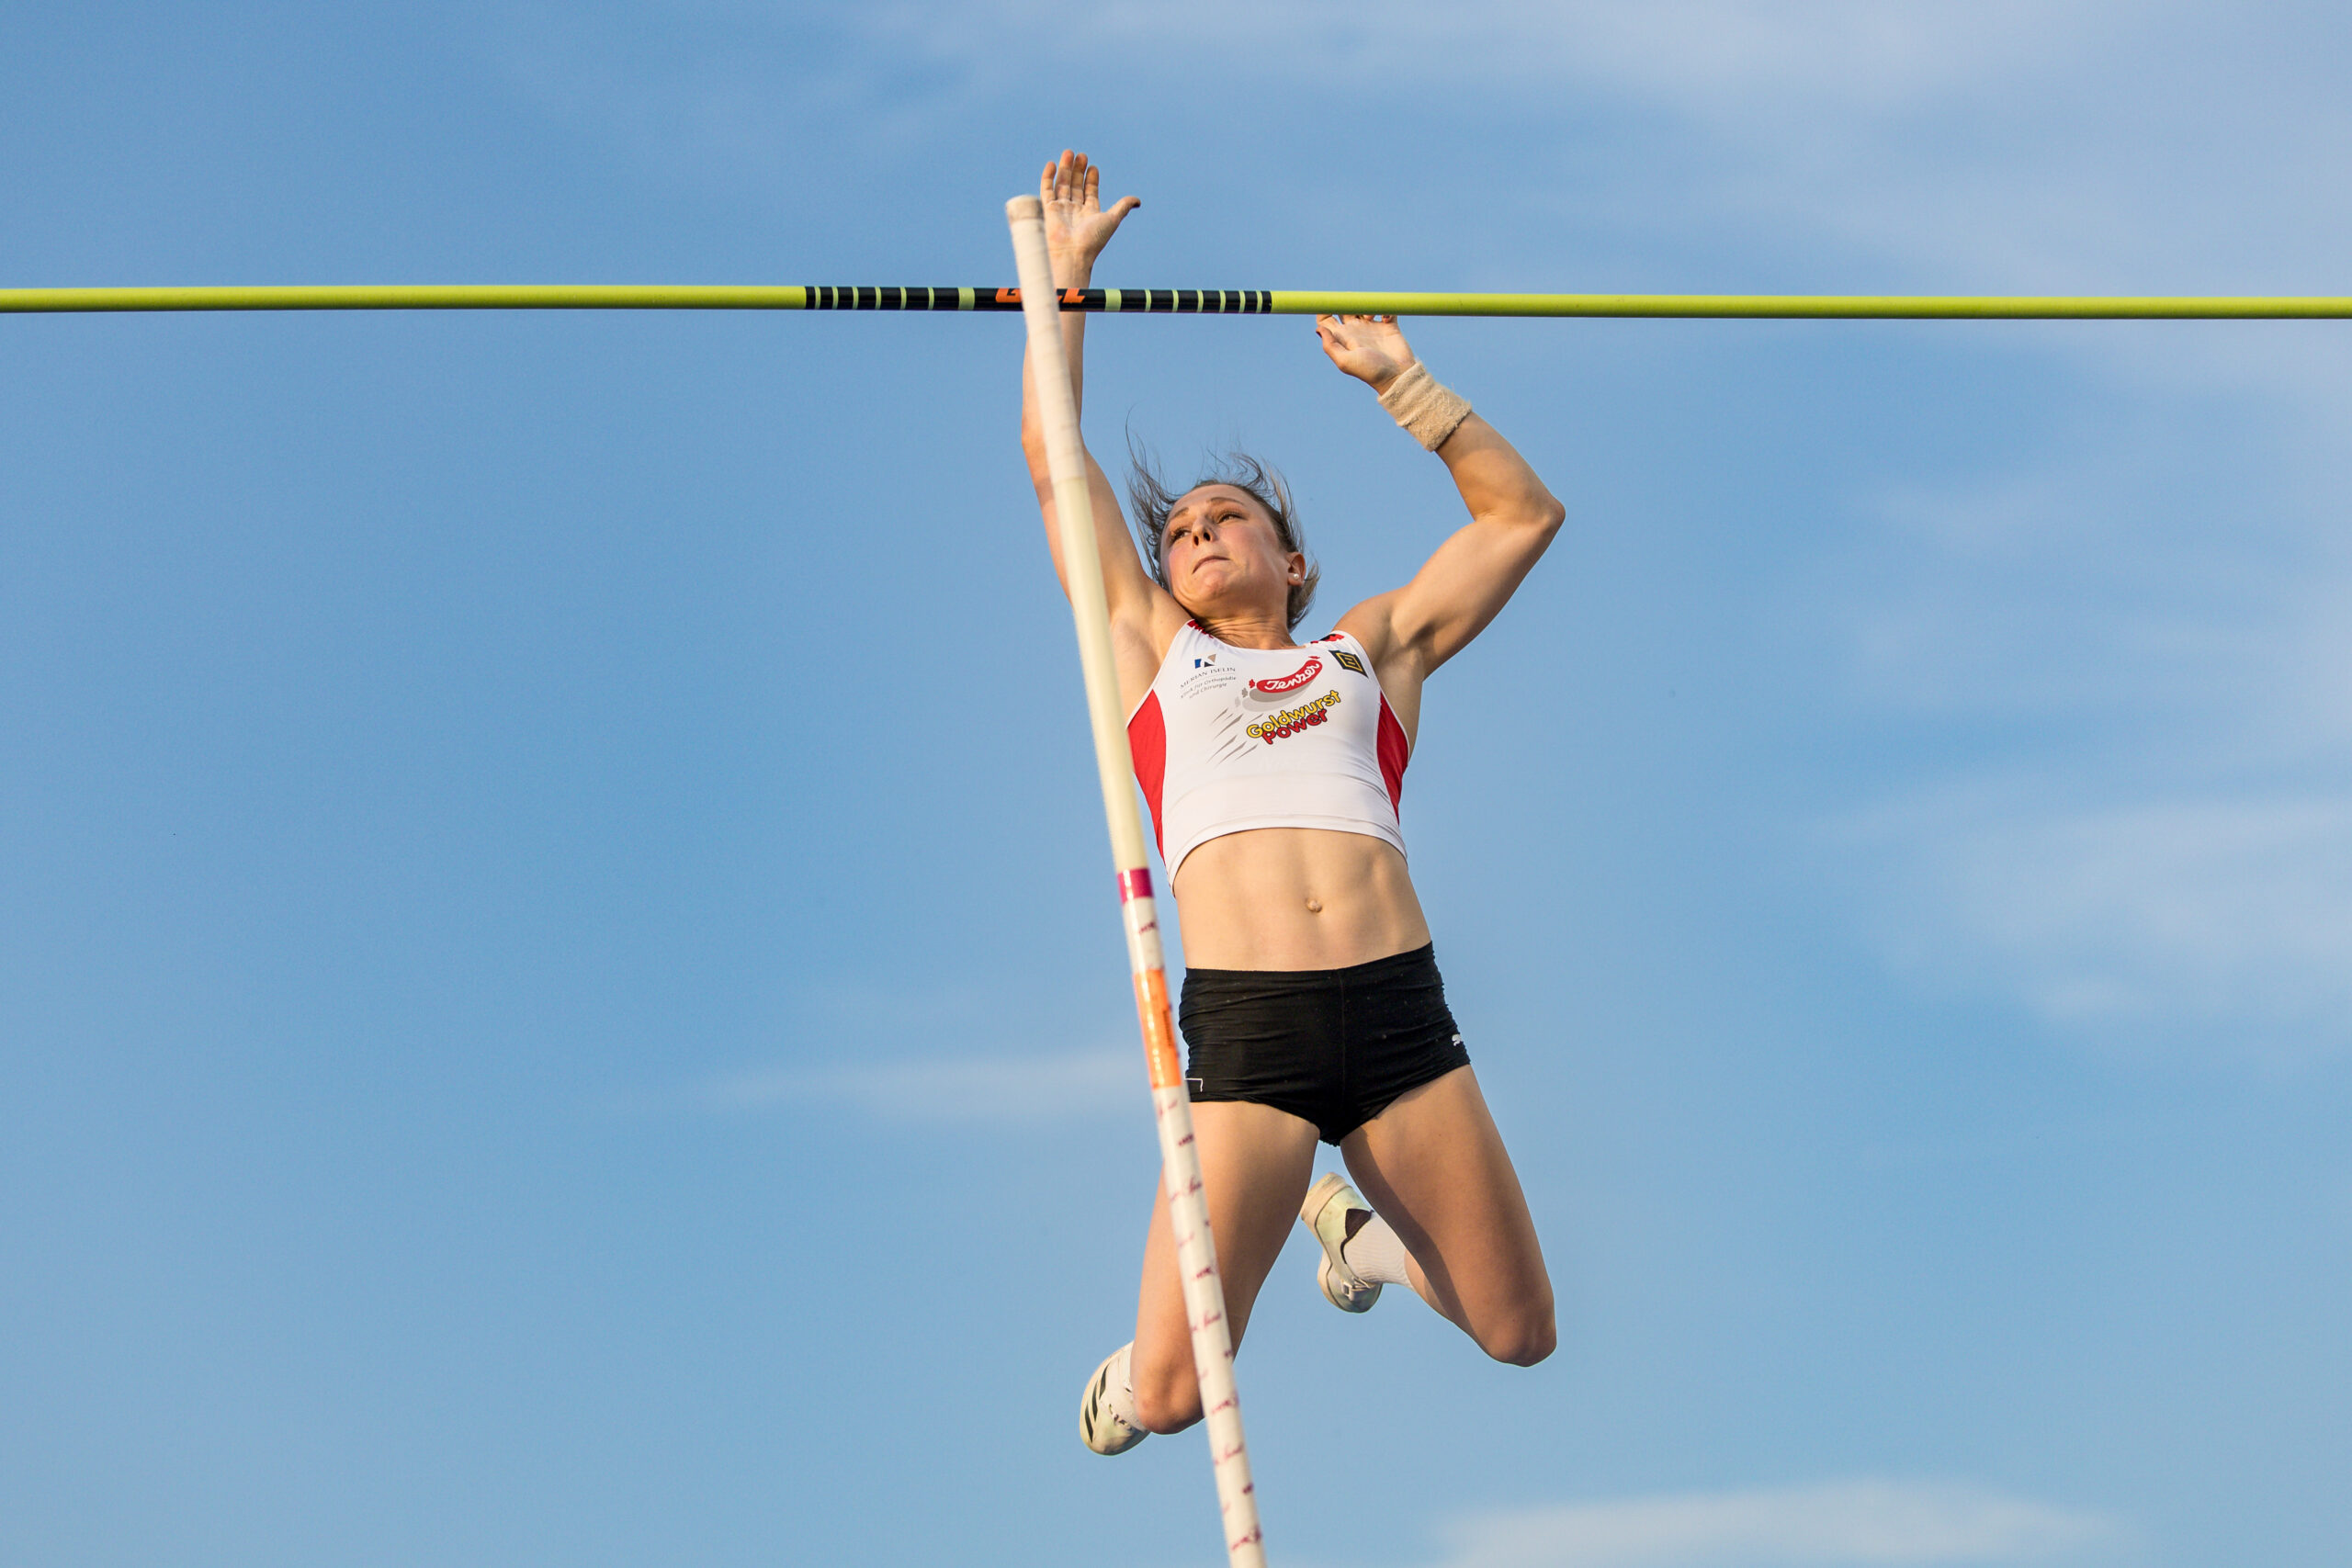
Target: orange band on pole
{"x": 1159, "y": 1032}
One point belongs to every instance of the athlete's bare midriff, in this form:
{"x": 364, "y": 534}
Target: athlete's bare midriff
{"x": 1295, "y": 898}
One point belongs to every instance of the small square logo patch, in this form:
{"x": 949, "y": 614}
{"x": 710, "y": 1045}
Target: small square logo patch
{"x": 1349, "y": 660}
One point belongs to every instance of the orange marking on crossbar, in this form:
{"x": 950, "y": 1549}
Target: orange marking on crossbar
{"x": 1159, "y": 1030}
{"x": 1008, "y": 297}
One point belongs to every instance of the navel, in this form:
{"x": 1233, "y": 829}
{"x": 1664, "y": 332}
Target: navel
{"x": 1314, "y": 906}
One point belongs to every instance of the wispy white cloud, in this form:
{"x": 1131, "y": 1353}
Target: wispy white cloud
{"x": 2224, "y": 920}
{"x": 2158, "y": 850}
{"x": 996, "y": 1089}
{"x": 2092, "y": 583}
{"x": 1841, "y": 1523}
{"x": 1693, "y": 50}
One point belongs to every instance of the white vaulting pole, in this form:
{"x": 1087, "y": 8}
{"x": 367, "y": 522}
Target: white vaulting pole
{"x": 1188, "y": 1215}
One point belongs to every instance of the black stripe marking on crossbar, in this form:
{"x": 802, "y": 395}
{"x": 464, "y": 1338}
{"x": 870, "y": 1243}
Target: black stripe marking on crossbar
{"x": 1203, "y": 301}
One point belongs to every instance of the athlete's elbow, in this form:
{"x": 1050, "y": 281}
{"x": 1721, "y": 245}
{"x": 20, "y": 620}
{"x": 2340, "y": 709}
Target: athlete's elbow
{"x": 1535, "y": 518}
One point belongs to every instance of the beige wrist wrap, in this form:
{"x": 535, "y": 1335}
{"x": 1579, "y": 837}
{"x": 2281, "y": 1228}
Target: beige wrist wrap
{"x": 1429, "y": 410}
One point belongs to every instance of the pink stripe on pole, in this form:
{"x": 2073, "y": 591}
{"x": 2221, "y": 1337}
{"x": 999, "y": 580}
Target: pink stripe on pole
{"x": 1134, "y": 884}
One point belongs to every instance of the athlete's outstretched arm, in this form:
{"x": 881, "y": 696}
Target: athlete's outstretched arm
{"x": 1075, "y": 231}
{"x": 1464, "y": 585}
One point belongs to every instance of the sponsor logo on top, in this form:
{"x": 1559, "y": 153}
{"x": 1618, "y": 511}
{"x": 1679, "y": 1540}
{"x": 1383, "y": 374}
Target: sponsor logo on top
{"x": 1290, "y": 721}
{"x": 1279, "y": 686}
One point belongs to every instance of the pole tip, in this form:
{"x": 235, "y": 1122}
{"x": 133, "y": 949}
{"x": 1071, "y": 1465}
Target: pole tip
{"x": 1024, "y": 206}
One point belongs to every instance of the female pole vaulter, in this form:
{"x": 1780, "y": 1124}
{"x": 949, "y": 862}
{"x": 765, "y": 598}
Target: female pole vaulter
{"x": 1312, "y": 1007}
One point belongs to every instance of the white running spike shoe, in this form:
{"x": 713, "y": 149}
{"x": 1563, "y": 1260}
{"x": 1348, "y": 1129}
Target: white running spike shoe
{"x": 1325, "y": 1212}
{"x": 1099, "y": 1425}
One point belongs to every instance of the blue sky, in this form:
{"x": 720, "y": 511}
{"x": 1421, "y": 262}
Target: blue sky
{"x": 560, "y": 998}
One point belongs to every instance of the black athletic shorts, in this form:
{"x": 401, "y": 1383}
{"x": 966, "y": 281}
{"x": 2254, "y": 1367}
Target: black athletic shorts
{"x": 1333, "y": 1047}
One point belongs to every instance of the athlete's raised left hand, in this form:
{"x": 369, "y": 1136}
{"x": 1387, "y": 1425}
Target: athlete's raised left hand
{"x": 1370, "y": 348}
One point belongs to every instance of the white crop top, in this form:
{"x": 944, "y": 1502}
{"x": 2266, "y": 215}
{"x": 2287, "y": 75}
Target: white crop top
{"x": 1230, "y": 738}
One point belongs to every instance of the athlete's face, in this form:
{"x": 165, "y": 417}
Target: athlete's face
{"x": 1224, "y": 556}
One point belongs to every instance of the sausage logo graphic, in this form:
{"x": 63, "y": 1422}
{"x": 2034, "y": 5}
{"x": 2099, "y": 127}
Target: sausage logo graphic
{"x": 1283, "y": 686}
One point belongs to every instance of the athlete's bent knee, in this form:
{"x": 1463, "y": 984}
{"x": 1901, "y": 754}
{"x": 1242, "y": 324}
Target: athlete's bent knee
{"x": 1522, "y": 1340}
{"x": 1167, "y": 1404}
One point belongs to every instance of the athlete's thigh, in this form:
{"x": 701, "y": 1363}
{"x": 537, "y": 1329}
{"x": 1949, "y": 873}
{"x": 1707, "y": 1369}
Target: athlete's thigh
{"x": 1434, "y": 1167}
{"x": 1255, "y": 1162}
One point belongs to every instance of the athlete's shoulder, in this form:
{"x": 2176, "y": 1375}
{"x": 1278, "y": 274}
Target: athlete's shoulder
{"x": 1345, "y": 651}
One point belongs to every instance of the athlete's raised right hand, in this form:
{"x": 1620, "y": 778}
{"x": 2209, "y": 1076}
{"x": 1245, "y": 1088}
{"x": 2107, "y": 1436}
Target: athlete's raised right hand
{"x": 1076, "y": 226}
